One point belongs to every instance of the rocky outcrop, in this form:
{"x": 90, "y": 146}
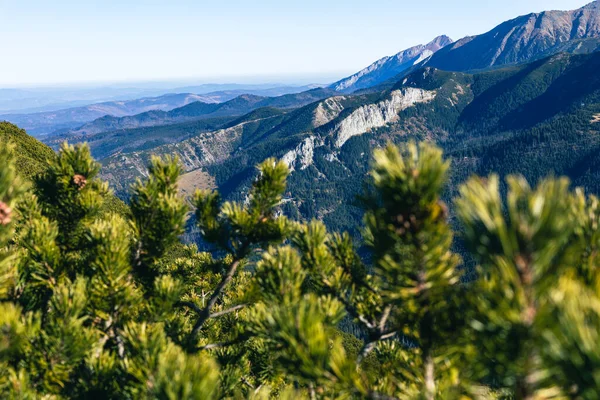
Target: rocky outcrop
{"x": 200, "y": 151}
{"x": 376, "y": 115}
{"x": 328, "y": 110}
{"x": 302, "y": 156}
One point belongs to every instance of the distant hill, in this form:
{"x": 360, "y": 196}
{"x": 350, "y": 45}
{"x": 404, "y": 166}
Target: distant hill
{"x": 30, "y": 100}
{"x": 388, "y": 67}
{"x": 105, "y": 144}
{"x": 43, "y": 123}
{"x": 199, "y": 110}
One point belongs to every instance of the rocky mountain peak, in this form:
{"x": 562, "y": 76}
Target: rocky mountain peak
{"x": 439, "y": 42}
{"x": 525, "y": 38}
{"x": 388, "y": 67}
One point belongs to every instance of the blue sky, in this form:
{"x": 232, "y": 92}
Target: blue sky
{"x": 70, "y": 41}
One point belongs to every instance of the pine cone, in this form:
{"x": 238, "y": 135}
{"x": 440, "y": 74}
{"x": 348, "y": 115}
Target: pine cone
{"x": 5, "y": 213}
{"x": 79, "y": 181}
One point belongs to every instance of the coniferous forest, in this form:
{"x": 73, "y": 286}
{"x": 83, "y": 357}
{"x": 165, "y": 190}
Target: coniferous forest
{"x": 425, "y": 228}
{"x": 105, "y": 302}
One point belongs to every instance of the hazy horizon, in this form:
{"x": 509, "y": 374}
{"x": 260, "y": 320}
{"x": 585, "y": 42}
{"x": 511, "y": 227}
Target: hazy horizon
{"x": 69, "y": 43}
{"x": 258, "y": 80}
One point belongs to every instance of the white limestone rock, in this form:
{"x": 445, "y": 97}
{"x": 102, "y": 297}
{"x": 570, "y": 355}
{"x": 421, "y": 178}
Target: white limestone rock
{"x": 302, "y": 156}
{"x": 379, "y": 114}
{"x": 328, "y": 110}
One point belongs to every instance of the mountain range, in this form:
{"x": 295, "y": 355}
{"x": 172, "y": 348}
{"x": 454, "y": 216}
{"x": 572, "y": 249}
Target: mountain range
{"x": 47, "y": 122}
{"x": 522, "y": 98}
{"x": 524, "y": 39}
{"x": 507, "y": 114}
{"x": 197, "y": 110}
{"x": 520, "y": 40}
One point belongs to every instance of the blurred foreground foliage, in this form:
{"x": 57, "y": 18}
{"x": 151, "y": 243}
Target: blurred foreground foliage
{"x": 105, "y": 302}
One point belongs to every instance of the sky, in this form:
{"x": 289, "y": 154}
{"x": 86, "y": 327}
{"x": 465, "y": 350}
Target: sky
{"x": 48, "y": 42}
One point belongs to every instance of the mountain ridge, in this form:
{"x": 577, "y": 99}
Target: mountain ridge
{"x": 390, "y": 66}
{"x": 523, "y": 39}
{"x": 238, "y": 106}
{"x": 47, "y": 122}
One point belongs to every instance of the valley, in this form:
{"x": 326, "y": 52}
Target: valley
{"x": 521, "y": 98}
{"x": 486, "y": 122}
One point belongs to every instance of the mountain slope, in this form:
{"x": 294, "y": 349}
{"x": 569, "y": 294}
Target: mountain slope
{"x": 533, "y": 119}
{"x": 524, "y": 39}
{"x": 389, "y": 67}
{"x": 293, "y": 136}
{"x": 105, "y": 144}
{"x": 32, "y": 155}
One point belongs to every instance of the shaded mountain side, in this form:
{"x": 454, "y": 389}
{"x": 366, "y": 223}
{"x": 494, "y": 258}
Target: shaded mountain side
{"x": 533, "y": 93}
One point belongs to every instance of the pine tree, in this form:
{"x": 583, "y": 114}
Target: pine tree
{"x": 102, "y": 304}
{"x": 77, "y": 318}
{"x": 536, "y": 299}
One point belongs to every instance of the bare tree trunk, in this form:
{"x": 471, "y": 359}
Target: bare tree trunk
{"x": 429, "y": 376}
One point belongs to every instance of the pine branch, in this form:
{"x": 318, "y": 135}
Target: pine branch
{"x": 198, "y": 310}
{"x": 430, "y": 386}
{"x": 247, "y": 383}
{"x": 228, "y": 311}
{"x": 119, "y": 341}
{"x": 379, "y": 335}
{"x": 388, "y": 335}
{"x": 311, "y": 389}
{"x": 191, "y": 305}
{"x": 351, "y": 309}
{"x": 220, "y": 345}
{"x": 205, "y": 313}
